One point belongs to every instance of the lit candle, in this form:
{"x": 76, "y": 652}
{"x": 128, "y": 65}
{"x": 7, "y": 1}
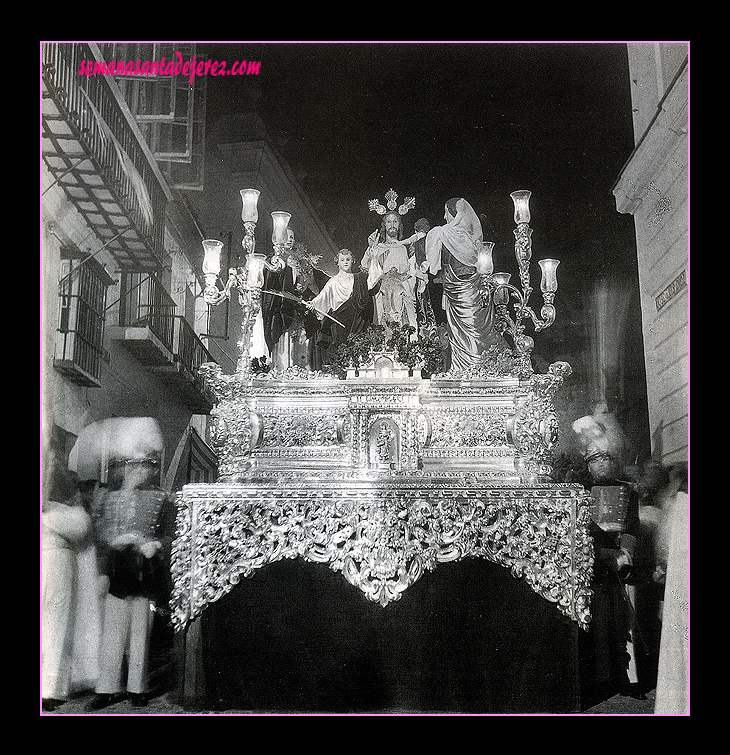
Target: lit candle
{"x": 249, "y": 212}
{"x": 521, "y": 201}
{"x": 485, "y": 265}
{"x": 549, "y": 283}
{"x": 212, "y": 256}
{"x": 281, "y": 222}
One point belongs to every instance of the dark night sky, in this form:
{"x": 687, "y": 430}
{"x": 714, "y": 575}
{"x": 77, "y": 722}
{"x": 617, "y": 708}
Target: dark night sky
{"x": 434, "y": 120}
{"x": 478, "y": 120}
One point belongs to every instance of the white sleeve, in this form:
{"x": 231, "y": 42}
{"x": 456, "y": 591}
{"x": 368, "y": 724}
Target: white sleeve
{"x": 70, "y": 522}
{"x": 375, "y": 272}
{"x": 323, "y": 301}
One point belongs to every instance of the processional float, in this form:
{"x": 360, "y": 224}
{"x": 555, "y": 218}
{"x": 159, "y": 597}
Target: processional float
{"x": 384, "y": 475}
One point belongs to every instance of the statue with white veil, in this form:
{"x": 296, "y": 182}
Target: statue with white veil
{"x": 452, "y": 249}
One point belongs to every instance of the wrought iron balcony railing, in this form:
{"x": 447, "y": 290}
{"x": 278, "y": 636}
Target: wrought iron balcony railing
{"x": 95, "y": 151}
{"x": 144, "y": 303}
{"x": 189, "y": 349}
{"x": 163, "y": 341}
{"x": 79, "y": 343}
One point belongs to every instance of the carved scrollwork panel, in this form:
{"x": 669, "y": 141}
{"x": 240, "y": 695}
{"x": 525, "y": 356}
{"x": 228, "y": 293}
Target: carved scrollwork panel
{"x": 466, "y": 427}
{"x": 300, "y": 429}
{"x": 382, "y": 538}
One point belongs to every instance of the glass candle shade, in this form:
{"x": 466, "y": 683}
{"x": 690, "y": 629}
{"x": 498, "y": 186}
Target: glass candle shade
{"x": 255, "y": 264}
{"x": 249, "y": 212}
{"x": 212, "y": 256}
{"x": 521, "y": 201}
{"x": 549, "y": 283}
{"x": 501, "y": 293}
{"x": 281, "y": 223}
{"x": 485, "y": 265}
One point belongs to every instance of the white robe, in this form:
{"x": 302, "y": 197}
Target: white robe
{"x": 672, "y": 688}
{"x": 393, "y": 259}
{"x": 64, "y": 529}
{"x": 338, "y": 290}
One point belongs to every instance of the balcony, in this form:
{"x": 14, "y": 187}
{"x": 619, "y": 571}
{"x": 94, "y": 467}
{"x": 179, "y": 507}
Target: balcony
{"x": 96, "y": 153}
{"x": 160, "y": 340}
{"x": 189, "y": 353}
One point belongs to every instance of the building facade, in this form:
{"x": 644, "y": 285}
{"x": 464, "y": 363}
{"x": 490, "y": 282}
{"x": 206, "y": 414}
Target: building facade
{"x": 121, "y": 322}
{"x": 241, "y": 154}
{"x": 653, "y": 187}
{"x": 131, "y": 186}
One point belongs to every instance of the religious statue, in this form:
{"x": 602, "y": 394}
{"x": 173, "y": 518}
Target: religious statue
{"x": 451, "y": 252}
{"x": 344, "y": 306}
{"x": 395, "y": 301}
{"x": 429, "y": 313}
{"x": 288, "y": 327}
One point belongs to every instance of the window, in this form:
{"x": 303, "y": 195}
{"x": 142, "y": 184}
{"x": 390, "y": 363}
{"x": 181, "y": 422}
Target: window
{"x": 169, "y": 109}
{"x": 80, "y": 335}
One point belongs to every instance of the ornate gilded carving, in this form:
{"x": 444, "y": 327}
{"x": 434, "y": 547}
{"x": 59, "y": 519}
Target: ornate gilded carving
{"x": 509, "y": 421}
{"x": 382, "y": 480}
{"x": 232, "y": 435}
{"x": 464, "y": 427}
{"x": 299, "y": 428}
{"x": 533, "y": 428}
{"x": 381, "y": 533}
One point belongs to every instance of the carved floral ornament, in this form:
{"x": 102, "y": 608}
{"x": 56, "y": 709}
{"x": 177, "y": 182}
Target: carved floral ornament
{"x": 283, "y": 416}
{"x": 381, "y": 535}
{"x": 381, "y": 474}
{"x": 369, "y": 511}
